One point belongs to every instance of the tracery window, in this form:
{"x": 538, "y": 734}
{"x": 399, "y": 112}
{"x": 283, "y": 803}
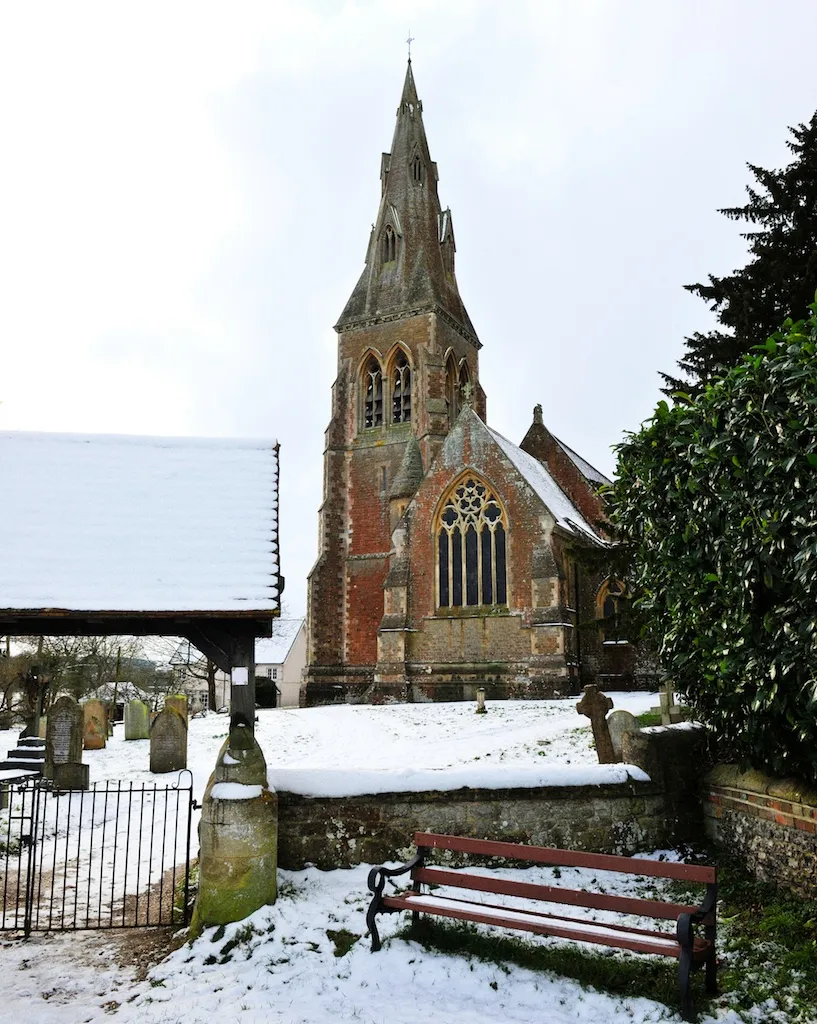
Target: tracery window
{"x": 389, "y": 244}
{"x": 417, "y": 170}
{"x": 401, "y": 390}
{"x": 373, "y": 400}
{"x": 471, "y": 548}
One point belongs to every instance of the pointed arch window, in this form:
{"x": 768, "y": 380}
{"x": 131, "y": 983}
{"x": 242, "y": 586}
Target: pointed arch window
{"x": 452, "y": 391}
{"x": 373, "y": 394}
{"x": 610, "y": 603}
{"x": 401, "y": 390}
{"x": 471, "y": 548}
{"x": 389, "y": 244}
{"x": 417, "y": 169}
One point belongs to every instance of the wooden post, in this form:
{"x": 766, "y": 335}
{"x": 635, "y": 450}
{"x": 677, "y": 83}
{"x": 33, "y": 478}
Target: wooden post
{"x": 242, "y": 682}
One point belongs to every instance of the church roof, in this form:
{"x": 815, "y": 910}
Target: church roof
{"x": 410, "y": 474}
{"x": 138, "y": 524}
{"x": 420, "y": 277}
{"x": 588, "y": 472}
{"x": 536, "y": 474}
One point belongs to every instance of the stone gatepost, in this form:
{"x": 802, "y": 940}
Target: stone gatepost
{"x": 238, "y": 835}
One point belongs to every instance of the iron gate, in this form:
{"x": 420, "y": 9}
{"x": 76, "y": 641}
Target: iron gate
{"x": 114, "y": 856}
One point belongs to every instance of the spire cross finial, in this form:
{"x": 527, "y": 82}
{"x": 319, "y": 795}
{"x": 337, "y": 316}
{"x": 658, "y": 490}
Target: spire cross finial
{"x": 410, "y": 40}
{"x": 468, "y": 390}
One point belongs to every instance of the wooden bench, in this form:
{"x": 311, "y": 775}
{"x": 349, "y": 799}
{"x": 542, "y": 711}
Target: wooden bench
{"x": 690, "y": 950}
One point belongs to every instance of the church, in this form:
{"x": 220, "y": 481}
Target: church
{"x": 447, "y": 556}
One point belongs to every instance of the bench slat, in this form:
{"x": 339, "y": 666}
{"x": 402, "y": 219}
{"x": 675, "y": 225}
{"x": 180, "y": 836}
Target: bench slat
{"x": 550, "y": 917}
{"x": 558, "y": 929}
{"x": 552, "y": 894}
{"x": 568, "y": 858}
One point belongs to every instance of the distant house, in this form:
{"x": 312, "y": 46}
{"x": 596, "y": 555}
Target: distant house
{"x": 280, "y": 659}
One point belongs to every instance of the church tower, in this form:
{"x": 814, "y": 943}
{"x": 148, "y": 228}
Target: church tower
{"x": 407, "y": 360}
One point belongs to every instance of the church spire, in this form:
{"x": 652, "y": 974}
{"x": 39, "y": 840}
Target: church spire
{"x": 410, "y": 260}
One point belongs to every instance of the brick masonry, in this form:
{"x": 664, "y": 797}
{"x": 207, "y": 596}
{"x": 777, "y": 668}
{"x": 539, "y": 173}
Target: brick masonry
{"x": 770, "y": 824}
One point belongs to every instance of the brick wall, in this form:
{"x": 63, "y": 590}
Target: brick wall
{"x": 769, "y": 824}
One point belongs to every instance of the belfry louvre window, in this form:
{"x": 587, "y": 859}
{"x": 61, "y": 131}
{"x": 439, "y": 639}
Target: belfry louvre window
{"x": 471, "y": 542}
{"x": 389, "y": 244}
{"x": 401, "y": 390}
{"x": 373, "y": 401}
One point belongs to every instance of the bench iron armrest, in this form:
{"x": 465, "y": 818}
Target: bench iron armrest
{"x": 707, "y": 908}
{"x": 377, "y": 880}
{"x": 378, "y": 876}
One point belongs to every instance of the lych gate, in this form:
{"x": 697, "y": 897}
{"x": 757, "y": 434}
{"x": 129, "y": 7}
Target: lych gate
{"x": 103, "y": 535}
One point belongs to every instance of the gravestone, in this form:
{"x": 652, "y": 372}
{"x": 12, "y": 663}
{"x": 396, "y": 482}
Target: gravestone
{"x": 619, "y": 723}
{"x": 63, "y": 740}
{"x": 71, "y": 775}
{"x": 595, "y": 706}
{"x": 481, "y": 709}
{"x": 177, "y": 701}
{"x": 96, "y": 725}
{"x": 168, "y": 742}
{"x": 137, "y": 720}
{"x": 670, "y": 709}
{"x": 42, "y": 730}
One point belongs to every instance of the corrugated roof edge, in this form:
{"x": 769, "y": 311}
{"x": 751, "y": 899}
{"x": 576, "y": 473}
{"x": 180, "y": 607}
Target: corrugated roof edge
{"x": 181, "y": 441}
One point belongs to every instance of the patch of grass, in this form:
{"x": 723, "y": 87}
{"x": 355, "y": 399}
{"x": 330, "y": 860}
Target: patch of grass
{"x": 623, "y": 974}
{"x": 342, "y": 939}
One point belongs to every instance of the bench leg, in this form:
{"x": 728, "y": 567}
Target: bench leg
{"x": 684, "y": 972}
{"x": 371, "y": 914}
{"x": 712, "y": 972}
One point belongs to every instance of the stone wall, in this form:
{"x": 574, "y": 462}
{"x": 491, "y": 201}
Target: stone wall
{"x": 339, "y": 832}
{"x": 769, "y": 824}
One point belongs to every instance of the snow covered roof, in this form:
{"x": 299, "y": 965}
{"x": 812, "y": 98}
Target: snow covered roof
{"x": 562, "y": 508}
{"x": 121, "y": 523}
{"x": 274, "y": 650}
{"x": 588, "y": 472}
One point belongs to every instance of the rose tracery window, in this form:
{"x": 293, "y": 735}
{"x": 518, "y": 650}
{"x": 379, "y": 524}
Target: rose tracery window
{"x": 401, "y": 390}
{"x": 373, "y": 400}
{"x": 471, "y": 548}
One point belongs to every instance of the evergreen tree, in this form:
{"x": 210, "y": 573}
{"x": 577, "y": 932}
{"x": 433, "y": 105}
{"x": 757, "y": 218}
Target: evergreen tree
{"x": 780, "y": 278}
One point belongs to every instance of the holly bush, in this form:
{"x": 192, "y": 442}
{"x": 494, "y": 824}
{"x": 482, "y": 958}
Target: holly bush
{"x": 716, "y": 498}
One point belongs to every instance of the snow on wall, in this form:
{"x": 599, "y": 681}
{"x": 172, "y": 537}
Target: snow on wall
{"x": 120, "y": 523}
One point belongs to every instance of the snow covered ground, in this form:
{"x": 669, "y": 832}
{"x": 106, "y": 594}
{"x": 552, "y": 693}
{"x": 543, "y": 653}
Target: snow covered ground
{"x": 283, "y": 967}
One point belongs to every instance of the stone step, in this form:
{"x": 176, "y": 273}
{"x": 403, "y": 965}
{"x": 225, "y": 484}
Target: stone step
{"x": 31, "y": 741}
{"x": 28, "y": 753}
{"x": 22, "y": 766}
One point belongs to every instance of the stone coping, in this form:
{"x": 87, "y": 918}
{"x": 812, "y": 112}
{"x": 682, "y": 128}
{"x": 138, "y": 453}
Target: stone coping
{"x": 730, "y": 776}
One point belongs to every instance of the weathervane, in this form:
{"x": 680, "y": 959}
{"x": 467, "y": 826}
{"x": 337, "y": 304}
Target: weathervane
{"x": 410, "y": 40}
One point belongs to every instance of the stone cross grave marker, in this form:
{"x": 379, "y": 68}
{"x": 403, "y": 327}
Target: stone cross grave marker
{"x": 168, "y": 742}
{"x": 137, "y": 720}
{"x": 595, "y": 705}
{"x": 63, "y": 741}
{"x": 96, "y": 725}
{"x": 670, "y": 710}
{"x": 619, "y": 723}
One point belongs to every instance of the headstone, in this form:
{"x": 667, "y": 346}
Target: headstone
{"x": 619, "y": 723}
{"x": 670, "y": 709}
{"x": 177, "y": 701}
{"x": 42, "y": 731}
{"x": 168, "y": 742}
{"x": 595, "y": 706}
{"x": 96, "y": 725}
{"x": 137, "y": 720}
{"x": 481, "y": 709}
{"x": 70, "y": 776}
{"x": 63, "y": 740}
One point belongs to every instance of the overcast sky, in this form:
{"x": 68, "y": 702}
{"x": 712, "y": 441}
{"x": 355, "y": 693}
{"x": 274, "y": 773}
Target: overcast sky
{"x": 186, "y": 192}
